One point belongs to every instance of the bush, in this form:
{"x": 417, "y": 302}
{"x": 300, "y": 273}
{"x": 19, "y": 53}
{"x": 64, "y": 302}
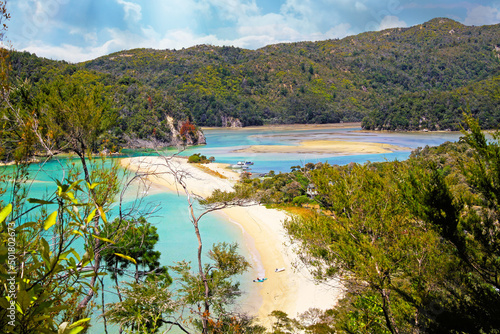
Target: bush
{"x": 299, "y": 200}
{"x": 195, "y": 158}
{"x": 198, "y": 158}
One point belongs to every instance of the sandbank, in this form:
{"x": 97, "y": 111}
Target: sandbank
{"x": 326, "y": 146}
{"x": 293, "y": 290}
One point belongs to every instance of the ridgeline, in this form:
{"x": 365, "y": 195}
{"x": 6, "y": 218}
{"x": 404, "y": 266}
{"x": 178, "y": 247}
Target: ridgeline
{"x": 417, "y": 78}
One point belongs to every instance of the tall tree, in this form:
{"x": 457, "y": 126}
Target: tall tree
{"x": 386, "y": 256}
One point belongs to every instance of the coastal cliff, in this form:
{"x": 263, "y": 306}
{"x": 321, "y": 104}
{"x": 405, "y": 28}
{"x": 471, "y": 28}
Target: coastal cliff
{"x": 179, "y": 133}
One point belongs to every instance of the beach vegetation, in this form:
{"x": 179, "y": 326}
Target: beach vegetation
{"x": 198, "y": 158}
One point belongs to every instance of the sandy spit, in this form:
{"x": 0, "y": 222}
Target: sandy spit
{"x": 293, "y": 290}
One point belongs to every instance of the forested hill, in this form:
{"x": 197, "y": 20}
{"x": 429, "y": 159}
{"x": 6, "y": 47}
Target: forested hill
{"x": 422, "y": 77}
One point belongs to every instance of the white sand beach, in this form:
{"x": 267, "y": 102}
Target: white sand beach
{"x": 293, "y": 290}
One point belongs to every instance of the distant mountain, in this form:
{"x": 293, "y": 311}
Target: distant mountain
{"x": 415, "y": 78}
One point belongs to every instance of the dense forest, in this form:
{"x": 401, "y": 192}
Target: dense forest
{"x": 416, "y": 78}
{"x": 138, "y": 116}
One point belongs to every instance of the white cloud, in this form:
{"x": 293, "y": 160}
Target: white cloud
{"x": 482, "y": 15}
{"x": 360, "y": 6}
{"x": 88, "y": 36}
{"x": 132, "y": 10}
{"x": 183, "y": 23}
{"x": 234, "y": 9}
{"x": 390, "y": 21}
{"x": 67, "y": 52}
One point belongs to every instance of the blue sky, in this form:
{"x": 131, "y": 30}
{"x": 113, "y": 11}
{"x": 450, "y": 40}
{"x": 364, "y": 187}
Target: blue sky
{"x": 78, "y": 30}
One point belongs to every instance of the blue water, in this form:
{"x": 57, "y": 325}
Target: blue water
{"x": 177, "y": 239}
{"x": 222, "y": 144}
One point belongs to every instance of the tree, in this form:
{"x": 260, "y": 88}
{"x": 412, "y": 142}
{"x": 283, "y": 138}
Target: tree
{"x": 45, "y": 271}
{"x": 145, "y": 306}
{"x": 136, "y": 239}
{"x": 218, "y": 277}
{"x": 50, "y": 283}
{"x": 466, "y": 217}
{"x": 374, "y": 244}
{"x": 482, "y": 170}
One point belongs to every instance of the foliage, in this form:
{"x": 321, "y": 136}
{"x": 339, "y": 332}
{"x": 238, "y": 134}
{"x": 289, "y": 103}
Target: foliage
{"x": 139, "y": 115}
{"x": 226, "y": 264}
{"x": 145, "y": 306}
{"x": 290, "y": 187}
{"x": 438, "y": 110}
{"x": 54, "y": 272}
{"x": 136, "y": 239}
{"x": 415, "y": 242}
{"x": 198, "y": 158}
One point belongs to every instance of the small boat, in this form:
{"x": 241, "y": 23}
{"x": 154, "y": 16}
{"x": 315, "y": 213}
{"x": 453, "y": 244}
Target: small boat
{"x": 242, "y": 164}
{"x": 279, "y": 270}
{"x": 239, "y": 165}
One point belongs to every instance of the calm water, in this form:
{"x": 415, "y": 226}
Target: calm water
{"x": 177, "y": 239}
{"x": 223, "y": 142}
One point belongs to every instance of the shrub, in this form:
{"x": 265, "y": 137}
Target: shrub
{"x": 299, "y": 200}
{"x": 195, "y": 158}
{"x": 198, "y": 158}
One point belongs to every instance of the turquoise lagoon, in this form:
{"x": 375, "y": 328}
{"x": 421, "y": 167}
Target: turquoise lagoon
{"x": 169, "y": 211}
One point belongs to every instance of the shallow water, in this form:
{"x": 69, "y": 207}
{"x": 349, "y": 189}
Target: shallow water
{"x": 177, "y": 238}
{"x": 222, "y": 144}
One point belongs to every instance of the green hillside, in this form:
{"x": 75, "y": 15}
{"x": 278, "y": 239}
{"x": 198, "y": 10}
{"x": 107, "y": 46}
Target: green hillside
{"x": 399, "y": 79}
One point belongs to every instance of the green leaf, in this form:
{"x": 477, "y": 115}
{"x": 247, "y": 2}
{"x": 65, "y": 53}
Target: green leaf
{"x": 39, "y": 201}
{"x": 88, "y": 256}
{"x": 76, "y": 330}
{"x": 126, "y": 257}
{"x": 73, "y": 185}
{"x": 103, "y": 239}
{"x": 76, "y": 254}
{"x": 45, "y": 251}
{"x": 24, "y": 226}
{"x": 5, "y": 212}
{"x": 71, "y": 197}
{"x": 51, "y": 220}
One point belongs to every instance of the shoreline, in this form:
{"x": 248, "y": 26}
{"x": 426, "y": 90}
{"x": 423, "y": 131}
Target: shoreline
{"x": 293, "y": 290}
{"x": 285, "y": 127}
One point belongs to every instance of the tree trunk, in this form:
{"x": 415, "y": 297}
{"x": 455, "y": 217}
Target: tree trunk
{"x": 386, "y": 307}
{"x": 206, "y": 311}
